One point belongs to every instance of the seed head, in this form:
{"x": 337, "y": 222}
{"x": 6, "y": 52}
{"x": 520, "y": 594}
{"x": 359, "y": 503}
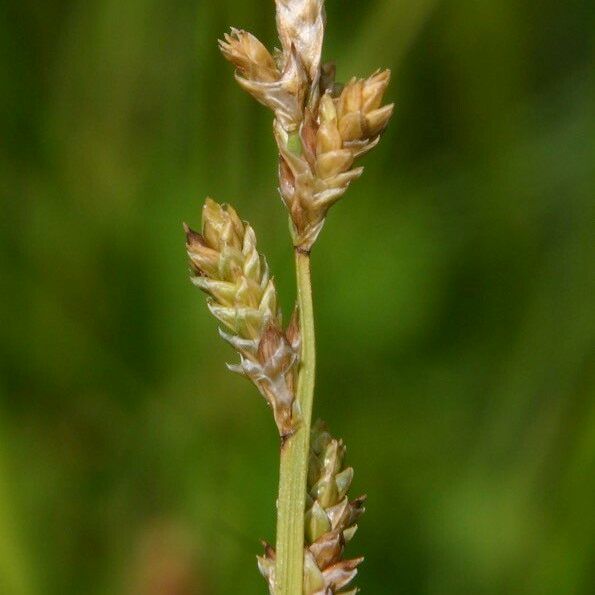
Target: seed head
{"x": 344, "y": 128}
{"x": 227, "y": 266}
{"x": 329, "y": 520}
{"x": 320, "y": 126}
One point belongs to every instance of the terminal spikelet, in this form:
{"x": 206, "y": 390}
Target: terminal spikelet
{"x": 330, "y": 521}
{"x": 321, "y": 127}
{"x": 226, "y": 265}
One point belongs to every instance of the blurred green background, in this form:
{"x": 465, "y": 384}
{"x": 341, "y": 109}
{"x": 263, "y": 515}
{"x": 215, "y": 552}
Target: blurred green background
{"x": 454, "y": 289}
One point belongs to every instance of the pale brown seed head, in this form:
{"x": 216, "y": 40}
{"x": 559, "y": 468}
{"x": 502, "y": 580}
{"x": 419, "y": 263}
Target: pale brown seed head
{"x": 341, "y": 129}
{"x": 320, "y": 127}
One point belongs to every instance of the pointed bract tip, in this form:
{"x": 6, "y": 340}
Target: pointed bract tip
{"x": 192, "y": 237}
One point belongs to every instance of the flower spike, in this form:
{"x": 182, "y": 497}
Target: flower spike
{"x": 227, "y": 266}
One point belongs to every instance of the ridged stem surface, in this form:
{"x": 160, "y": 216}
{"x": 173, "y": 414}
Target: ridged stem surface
{"x": 295, "y": 451}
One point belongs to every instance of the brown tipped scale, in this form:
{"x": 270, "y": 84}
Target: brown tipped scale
{"x": 227, "y": 266}
{"x": 330, "y": 521}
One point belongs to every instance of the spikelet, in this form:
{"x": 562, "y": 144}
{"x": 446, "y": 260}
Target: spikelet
{"x": 316, "y": 170}
{"x": 227, "y": 266}
{"x": 329, "y": 521}
{"x": 318, "y": 137}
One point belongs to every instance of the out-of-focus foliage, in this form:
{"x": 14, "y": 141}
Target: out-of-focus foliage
{"x": 454, "y": 293}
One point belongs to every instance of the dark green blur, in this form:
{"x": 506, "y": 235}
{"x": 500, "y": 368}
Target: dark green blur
{"x": 454, "y": 294}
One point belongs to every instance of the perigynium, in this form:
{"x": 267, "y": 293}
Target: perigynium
{"x": 321, "y": 128}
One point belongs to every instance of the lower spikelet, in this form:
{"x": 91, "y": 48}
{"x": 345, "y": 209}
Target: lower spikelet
{"x": 226, "y": 265}
{"x": 330, "y": 521}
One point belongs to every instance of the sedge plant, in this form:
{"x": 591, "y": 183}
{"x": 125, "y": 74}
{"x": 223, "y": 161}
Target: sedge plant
{"x": 321, "y": 128}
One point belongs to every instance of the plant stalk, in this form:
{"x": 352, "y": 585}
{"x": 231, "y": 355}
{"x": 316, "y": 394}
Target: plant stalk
{"x": 293, "y": 470}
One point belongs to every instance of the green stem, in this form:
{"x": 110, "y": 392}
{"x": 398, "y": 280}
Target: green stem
{"x": 295, "y": 451}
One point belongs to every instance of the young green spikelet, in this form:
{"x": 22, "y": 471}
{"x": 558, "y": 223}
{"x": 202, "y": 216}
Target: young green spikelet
{"x": 320, "y": 127}
{"x": 329, "y": 521}
{"x": 226, "y": 265}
